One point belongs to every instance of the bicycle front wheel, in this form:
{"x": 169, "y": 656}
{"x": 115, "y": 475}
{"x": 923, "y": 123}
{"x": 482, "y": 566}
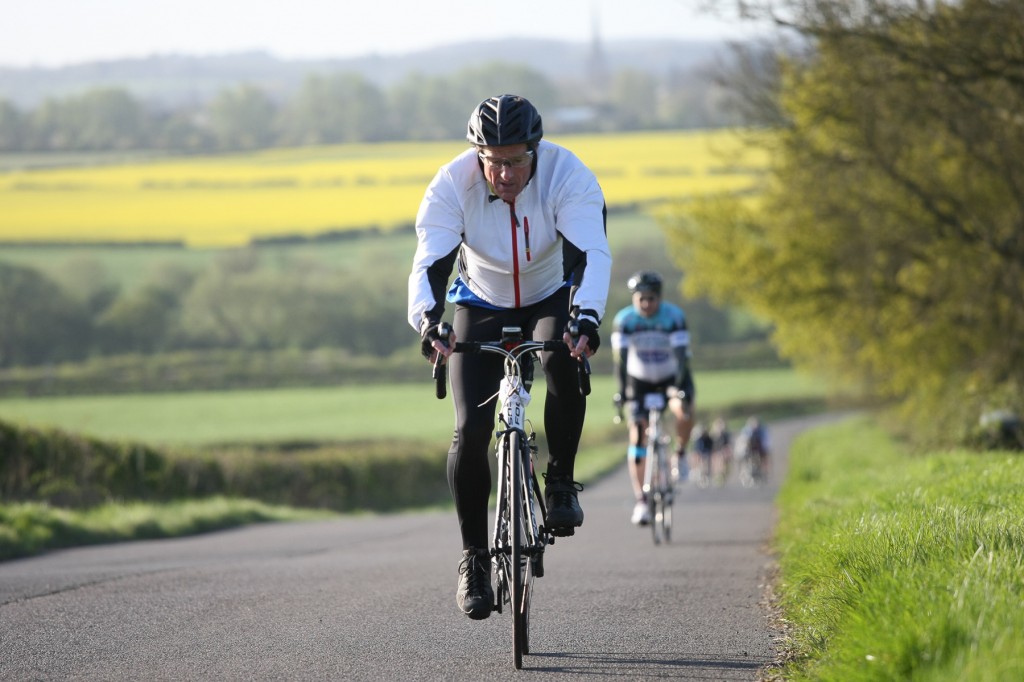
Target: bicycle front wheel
{"x": 667, "y": 494}
{"x": 522, "y": 567}
{"x": 661, "y": 500}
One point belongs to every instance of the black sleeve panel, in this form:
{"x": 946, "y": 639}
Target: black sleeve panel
{"x": 438, "y": 274}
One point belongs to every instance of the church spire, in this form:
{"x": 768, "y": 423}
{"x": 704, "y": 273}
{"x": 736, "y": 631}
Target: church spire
{"x": 597, "y": 64}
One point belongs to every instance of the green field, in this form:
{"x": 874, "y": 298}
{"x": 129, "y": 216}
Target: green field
{"x": 397, "y": 411}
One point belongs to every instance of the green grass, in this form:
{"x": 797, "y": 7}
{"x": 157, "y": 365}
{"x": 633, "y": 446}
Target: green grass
{"x": 29, "y": 527}
{"x": 900, "y": 567}
{"x": 345, "y": 413}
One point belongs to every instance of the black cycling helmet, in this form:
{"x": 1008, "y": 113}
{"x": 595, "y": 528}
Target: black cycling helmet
{"x": 505, "y": 119}
{"x": 645, "y": 280}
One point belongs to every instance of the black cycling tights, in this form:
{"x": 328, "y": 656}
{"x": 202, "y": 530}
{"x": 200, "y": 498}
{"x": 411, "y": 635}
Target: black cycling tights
{"x": 474, "y": 380}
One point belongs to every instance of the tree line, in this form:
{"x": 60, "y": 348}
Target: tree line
{"x": 237, "y": 302}
{"x": 887, "y": 244}
{"x": 344, "y": 107}
{"x": 253, "y": 299}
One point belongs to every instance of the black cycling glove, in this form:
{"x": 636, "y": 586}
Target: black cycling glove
{"x": 588, "y": 328}
{"x": 428, "y": 334}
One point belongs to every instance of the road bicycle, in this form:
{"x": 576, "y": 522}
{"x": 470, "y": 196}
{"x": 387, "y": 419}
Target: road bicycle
{"x": 658, "y": 485}
{"x": 520, "y": 530}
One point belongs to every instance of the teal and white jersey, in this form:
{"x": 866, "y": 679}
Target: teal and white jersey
{"x": 649, "y": 344}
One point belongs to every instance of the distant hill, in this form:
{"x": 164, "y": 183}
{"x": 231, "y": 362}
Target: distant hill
{"x": 173, "y": 80}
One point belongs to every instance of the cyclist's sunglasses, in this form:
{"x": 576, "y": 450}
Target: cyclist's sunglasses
{"x": 521, "y": 161}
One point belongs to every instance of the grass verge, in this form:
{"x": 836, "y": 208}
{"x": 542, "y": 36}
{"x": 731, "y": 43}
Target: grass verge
{"x": 896, "y": 566}
{"x": 31, "y": 527}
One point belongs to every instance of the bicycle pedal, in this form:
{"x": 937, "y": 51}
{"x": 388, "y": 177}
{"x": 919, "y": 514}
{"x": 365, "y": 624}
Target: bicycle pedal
{"x": 563, "y": 532}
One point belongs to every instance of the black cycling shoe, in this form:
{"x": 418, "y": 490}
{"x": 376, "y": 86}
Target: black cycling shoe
{"x": 475, "y": 596}
{"x": 564, "y": 512}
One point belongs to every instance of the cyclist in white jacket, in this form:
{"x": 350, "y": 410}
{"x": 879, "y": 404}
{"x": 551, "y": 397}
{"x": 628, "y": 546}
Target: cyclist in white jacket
{"x": 524, "y": 220}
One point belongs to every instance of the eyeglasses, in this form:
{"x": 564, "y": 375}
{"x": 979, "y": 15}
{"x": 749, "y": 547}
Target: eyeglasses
{"x": 521, "y": 161}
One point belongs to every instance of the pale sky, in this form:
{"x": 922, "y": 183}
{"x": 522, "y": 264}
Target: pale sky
{"x": 60, "y": 32}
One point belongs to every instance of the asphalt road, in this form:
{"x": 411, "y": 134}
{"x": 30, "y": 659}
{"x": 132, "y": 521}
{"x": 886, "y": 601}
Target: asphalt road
{"x": 373, "y": 598}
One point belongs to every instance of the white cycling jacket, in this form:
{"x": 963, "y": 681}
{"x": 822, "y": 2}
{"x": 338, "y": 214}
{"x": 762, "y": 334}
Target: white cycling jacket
{"x": 512, "y": 255}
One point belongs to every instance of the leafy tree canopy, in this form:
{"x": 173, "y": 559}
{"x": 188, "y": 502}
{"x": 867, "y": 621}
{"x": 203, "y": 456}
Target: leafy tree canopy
{"x": 887, "y": 243}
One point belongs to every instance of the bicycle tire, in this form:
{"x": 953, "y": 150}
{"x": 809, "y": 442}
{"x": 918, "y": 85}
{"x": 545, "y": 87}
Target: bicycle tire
{"x": 503, "y": 538}
{"x": 658, "y": 495}
{"x": 533, "y": 566}
{"x": 520, "y": 560}
{"x": 655, "y": 501}
{"x": 667, "y": 494}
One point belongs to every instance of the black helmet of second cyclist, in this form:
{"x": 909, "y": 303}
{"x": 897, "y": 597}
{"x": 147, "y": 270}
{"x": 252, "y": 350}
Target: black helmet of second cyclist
{"x": 505, "y": 119}
{"x": 645, "y": 280}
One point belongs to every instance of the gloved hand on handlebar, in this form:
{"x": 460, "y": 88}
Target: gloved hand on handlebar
{"x": 589, "y": 329}
{"x": 431, "y": 331}
{"x": 584, "y": 326}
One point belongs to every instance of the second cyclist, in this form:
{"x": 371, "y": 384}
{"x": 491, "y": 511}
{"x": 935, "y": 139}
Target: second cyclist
{"x": 651, "y": 345}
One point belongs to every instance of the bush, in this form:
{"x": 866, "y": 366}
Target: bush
{"x": 64, "y": 470}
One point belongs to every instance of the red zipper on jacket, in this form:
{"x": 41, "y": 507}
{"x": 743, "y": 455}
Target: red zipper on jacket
{"x": 526, "y": 236}
{"x": 515, "y": 250}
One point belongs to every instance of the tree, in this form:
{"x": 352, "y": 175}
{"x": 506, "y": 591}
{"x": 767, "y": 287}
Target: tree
{"x": 86, "y": 279}
{"x": 13, "y": 127}
{"x": 437, "y": 108}
{"x": 140, "y": 322}
{"x": 40, "y": 322}
{"x": 433, "y": 107}
{"x": 888, "y": 242}
{"x": 634, "y": 100}
{"x": 105, "y": 118}
{"x": 109, "y": 119}
{"x": 243, "y": 118}
{"x": 334, "y": 109}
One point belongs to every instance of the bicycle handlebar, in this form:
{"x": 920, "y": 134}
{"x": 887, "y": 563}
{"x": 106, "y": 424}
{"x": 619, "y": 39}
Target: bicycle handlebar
{"x": 481, "y": 346}
{"x": 440, "y": 370}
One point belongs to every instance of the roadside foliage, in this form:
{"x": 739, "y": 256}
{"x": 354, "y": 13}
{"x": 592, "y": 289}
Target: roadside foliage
{"x": 898, "y": 565}
{"x": 886, "y": 244}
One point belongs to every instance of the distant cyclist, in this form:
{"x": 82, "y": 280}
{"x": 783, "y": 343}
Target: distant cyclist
{"x": 721, "y": 449}
{"x": 651, "y": 345}
{"x": 703, "y": 449}
{"x": 524, "y": 221}
{"x": 752, "y": 441}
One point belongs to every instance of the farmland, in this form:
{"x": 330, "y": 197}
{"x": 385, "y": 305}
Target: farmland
{"x": 347, "y": 412}
{"x": 226, "y": 201}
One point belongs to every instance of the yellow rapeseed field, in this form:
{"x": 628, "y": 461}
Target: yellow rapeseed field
{"x": 218, "y": 201}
